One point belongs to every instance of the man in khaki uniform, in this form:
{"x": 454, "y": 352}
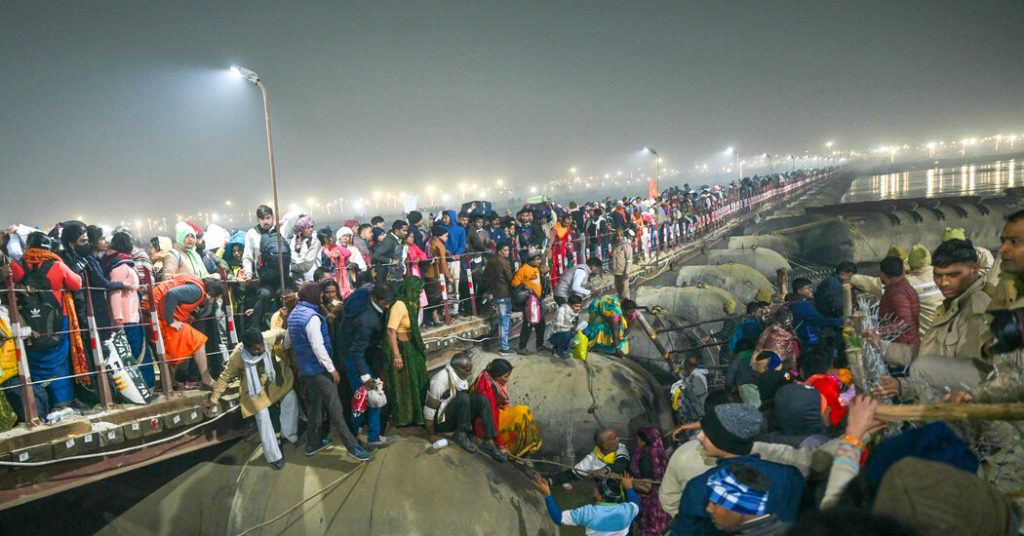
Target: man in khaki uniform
{"x": 950, "y": 352}
{"x": 918, "y": 271}
{"x": 622, "y": 264}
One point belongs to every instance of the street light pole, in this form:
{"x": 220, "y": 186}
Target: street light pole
{"x": 254, "y": 78}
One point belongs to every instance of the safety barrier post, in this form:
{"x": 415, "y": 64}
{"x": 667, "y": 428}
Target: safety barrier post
{"x": 166, "y": 382}
{"x": 444, "y": 294}
{"x": 230, "y": 315}
{"x": 28, "y": 396}
{"x": 103, "y": 384}
{"x": 469, "y": 285}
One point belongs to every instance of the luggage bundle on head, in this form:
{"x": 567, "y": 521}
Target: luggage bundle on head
{"x": 39, "y": 308}
{"x": 273, "y": 250}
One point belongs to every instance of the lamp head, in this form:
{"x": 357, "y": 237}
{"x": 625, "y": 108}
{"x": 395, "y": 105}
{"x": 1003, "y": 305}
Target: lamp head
{"x": 242, "y": 72}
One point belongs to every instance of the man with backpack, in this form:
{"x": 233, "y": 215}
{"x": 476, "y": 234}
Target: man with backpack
{"x": 265, "y": 252}
{"x": 48, "y": 309}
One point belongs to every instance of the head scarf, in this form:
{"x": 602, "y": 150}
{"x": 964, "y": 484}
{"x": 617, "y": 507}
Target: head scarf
{"x": 303, "y": 223}
{"x": 656, "y": 451}
{"x": 408, "y": 292}
{"x": 934, "y": 442}
{"x": 733, "y": 495}
{"x": 181, "y": 231}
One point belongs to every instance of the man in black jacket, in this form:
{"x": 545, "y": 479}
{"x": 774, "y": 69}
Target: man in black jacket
{"x": 828, "y": 297}
{"x": 387, "y": 254}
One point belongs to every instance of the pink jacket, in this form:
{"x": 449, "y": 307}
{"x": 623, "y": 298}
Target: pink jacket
{"x": 124, "y": 304}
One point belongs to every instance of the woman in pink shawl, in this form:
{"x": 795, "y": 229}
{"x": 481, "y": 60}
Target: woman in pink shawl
{"x": 648, "y": 462}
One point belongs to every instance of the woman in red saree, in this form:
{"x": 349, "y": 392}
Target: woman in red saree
{"x": 517, "y": 433}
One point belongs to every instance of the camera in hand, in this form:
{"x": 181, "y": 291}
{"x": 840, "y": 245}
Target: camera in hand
{"x": 1008, "y": 329}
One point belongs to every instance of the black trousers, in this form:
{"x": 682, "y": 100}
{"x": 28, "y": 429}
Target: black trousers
{"x": 322, "y": 393}
{"x": 262, "y": 305}
{"x": 524, "y": 333}
{"x": 462, "y": 410}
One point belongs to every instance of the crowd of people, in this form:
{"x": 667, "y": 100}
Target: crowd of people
{"x": 188, "y": 299}
{"x": 794, "y": 444}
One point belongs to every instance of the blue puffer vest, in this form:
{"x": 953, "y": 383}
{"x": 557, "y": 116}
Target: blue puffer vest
{"x": 304, "y": 357}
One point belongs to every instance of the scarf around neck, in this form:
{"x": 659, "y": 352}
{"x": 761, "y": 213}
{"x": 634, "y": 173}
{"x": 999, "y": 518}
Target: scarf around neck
{"x": 78, "y": 362}
{"x": 252, "y": 373}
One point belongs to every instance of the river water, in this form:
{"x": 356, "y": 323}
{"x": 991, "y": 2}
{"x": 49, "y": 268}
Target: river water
{"x": 985, "y": 178}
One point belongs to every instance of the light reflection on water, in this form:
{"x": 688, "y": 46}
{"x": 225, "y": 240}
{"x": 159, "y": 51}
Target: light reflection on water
{"x": 986, "y": 179}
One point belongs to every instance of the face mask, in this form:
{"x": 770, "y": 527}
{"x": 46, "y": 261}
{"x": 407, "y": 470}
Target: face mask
{"x": 83, "y": 250}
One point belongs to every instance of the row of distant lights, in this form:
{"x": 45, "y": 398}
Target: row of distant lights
{"x": 965, "y": 142}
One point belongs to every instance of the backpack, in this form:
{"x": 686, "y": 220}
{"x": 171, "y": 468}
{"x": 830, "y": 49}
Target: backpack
{"x": 272, "y": 250}
{"x": 40, "y": 310}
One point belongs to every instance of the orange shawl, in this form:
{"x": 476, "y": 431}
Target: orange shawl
{"x": 78, "y": 363}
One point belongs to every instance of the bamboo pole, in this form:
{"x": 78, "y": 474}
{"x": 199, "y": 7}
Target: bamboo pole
{"x": 951, "y": 412}
{"x": 695, "y": 324}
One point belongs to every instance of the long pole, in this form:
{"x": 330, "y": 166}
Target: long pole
{"x": 273, "y": 180}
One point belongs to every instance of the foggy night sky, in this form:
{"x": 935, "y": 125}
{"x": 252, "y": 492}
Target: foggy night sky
{"x": 127, "y": 109}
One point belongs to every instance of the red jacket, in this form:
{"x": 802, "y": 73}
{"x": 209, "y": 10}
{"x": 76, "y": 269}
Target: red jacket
{"x": 900, "y": 311}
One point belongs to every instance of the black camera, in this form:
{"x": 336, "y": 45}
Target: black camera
{"x": 1008, "y": 329}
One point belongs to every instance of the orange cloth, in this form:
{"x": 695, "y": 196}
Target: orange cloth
{"x": 529, "y": 276}
{"x": 181, "y": 344}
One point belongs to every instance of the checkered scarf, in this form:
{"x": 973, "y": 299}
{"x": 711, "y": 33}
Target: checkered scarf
{"x": 733, "y": 495}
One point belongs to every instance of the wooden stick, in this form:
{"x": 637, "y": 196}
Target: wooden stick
{"x": 695, "y": 324}
{"x": 951, "y": 412}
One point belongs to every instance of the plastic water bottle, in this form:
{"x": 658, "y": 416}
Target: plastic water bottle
{"x": 56, "y": 416}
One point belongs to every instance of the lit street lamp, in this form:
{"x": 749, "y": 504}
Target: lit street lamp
{"x": 739, "y": 165}
{"x": 253, "y": 78}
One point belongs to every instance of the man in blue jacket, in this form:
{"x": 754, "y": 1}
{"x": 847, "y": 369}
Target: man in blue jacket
{"x": 828, "y": 297}
{"x": 456, "y": 247}
{"x": 806, "y": 317}
{"x": 360, "y": 330}
{"x": 307, "y": 332}
{"x": 607, "y": 516}
{"x": 727, "y": 433}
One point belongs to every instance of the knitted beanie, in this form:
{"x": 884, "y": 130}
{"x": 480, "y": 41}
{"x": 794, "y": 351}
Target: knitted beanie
{"x": 897, "y": 250}
{"x": 919, "y": 257}
{"x": 732, "y": 427}
{"x": 954, "y": 233}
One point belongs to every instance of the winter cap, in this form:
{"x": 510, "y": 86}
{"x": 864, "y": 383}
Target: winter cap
{"x": 182, "y": 230}
{"x": 344, "y": 231}
{"x": 798, "y": 410}
{"x": 919, "y": 257}
{"x": 937, "y": 499}
{"x": 731, "y": 494}
{"x": 732, "y": 427}
{"x": 952, "y": 233}
{"x": 897, "y": 250}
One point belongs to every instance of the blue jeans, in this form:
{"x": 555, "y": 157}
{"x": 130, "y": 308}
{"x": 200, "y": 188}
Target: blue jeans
{"x": 560, "y": 341}
{"x": 504, "y": 306}
{"x": 371, "y": 416}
